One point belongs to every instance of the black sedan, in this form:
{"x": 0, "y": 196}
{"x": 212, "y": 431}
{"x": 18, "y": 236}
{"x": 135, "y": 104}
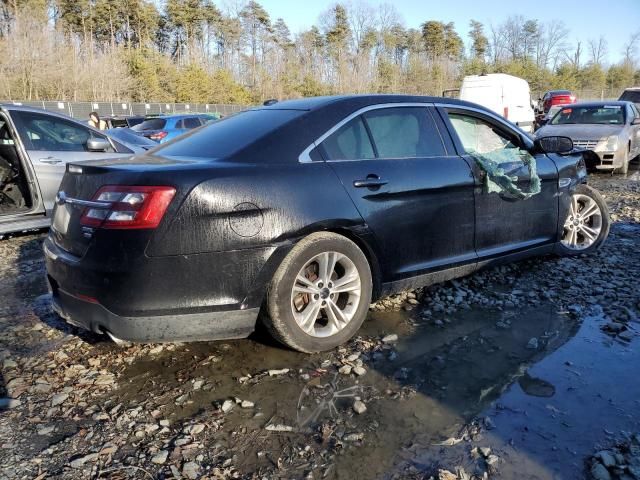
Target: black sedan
{"x": 299, "y": 213}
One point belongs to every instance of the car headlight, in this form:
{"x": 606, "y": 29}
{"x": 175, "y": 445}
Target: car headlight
{"x": 608, "y": 144}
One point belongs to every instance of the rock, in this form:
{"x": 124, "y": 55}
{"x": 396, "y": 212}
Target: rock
{"x": 45, "y": 430}
{"x": 392, "y": 337}
{"x": 353, "y": 437}
{"x": 79, "y": 462}
{"x": 627, "y": 336}
{"x": 190, "y": 470}
{"x": 9, "y": 403}
{"x": 278, "y": 427}
{"x": 607, "y": 458}
{"x": 227, "y": 406}
{"x": 446, "y": 475}
{"x": 282, "y": 371}
{"x": 164, "y": 423}
{"x": 353, "y": 357}
{"x": 599, "y": 472}
{"x": 197, "y": 385}
{"x": 492, "y": 459}
{"x": 359, "y": 371}
{"x": 8, "y": 363}
{"x": 160, "y": 457}
{"x": 345, "y": 369}
{"x": 359, "y": 407}
{"x": 533, "y": 344}
{"x": 196, "y": 429}
{"x": 485, "y": 451}
{"x": 59, "y": 399}
{"x": 247, "y": 404}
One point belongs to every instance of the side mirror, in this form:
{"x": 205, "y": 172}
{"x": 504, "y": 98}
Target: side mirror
{"x": 554, "y": 144}
{"x": 98, "y": 145}
{"x": 635, "y": 121}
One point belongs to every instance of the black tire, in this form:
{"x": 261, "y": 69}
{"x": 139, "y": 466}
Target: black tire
{"x": 595, "y": 195}
{"x": 279, "y": 318}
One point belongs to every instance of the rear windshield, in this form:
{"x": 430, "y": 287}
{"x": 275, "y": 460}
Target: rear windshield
{"x": 229, "y": 135}
{"x": 631, "y": 96}
{"x": 150, "y": 124}
{"x": 597, "y": 115}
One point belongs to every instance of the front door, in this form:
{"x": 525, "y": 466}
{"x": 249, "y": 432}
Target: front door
{"x": 51, "y": 142}
{"x": 506, "y": 221}
{"x": 416, "y": 197}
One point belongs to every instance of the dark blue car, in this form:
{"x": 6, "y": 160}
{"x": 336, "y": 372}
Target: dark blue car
{"x": 167, "y": 127}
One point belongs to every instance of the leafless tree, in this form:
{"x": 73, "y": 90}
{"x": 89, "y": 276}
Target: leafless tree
{"x": 598, "y": 49}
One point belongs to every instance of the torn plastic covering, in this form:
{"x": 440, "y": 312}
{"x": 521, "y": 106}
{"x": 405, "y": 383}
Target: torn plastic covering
{"x": 496, "y": 180}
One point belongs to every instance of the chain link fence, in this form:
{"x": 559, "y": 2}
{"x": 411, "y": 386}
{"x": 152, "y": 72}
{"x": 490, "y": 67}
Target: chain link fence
{"x": 81, "y": 110}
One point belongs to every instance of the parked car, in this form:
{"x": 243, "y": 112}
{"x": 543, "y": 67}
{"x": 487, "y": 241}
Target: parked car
{"x": 506, "y": 95}
{"x": 308, "y": 209}
{"x": 552, "y": 98}
{"x": 542, "y": 121}
{"x": 123, "y": 121}
{"x": 35, "y": 147}
{"x": 610, "y": 129}
{"x": 166, "y": 127}
{"x": 131, "y": 137}
{"x": 631, "y": 95}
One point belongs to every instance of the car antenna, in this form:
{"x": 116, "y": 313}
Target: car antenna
{"x": 271, "y": 101}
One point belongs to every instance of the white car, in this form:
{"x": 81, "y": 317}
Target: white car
{"x": 506, "y": 95}
{"x": 35, "y": 147}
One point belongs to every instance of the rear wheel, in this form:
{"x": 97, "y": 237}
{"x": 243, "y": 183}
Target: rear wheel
{"x": 587, "y": 224}
{"x": 320, "y": 294}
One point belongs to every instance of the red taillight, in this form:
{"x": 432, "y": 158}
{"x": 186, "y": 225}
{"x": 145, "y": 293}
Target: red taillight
{"x": 158, "y": 136}
{"x": 505, "y": 112}
{"x": 128, "y": 207}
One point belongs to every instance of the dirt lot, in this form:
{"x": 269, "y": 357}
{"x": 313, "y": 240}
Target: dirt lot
{"x": 524, "y": 371}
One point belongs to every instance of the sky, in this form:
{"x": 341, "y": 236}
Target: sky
{"x": 615, "y": 19}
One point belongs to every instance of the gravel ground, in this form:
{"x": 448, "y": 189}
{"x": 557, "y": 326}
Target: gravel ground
{"x": 414, "y": 396}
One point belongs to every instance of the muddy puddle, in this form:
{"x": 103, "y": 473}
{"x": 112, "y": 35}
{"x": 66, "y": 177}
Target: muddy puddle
{"x": 419, "y": 390}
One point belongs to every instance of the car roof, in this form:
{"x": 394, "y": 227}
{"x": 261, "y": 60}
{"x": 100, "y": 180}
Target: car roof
{"x": 178, "y": 116}
{"x": 615, "y": 103}
{"x": 26, "y": 108}
{"x": 559, "y": 92}
{"x": 316, "y": 103}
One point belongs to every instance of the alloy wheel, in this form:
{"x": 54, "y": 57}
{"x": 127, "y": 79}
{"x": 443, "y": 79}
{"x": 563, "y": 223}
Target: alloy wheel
{"x": 583, "y": 224}
{"x": 326, "y": 294}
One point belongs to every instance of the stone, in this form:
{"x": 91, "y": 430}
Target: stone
{"x": 359, "y": 407}
{"x": 359, "y": 371}
{"x": 247, "y": 404}
{"x": 599, "y": 472}
{"x": 196, "y": 429}
{"x": 9, "y": 403}
{"x": 607, "y": 458}
{"x": 227, "y": 406}
{"x": 45, "y": 430}
{"x": 345, "y": 369}
{"x": 353, "y": 437}
{"x": 79, "y": 462}
{"x": 533, "y": 344}
{"x": 59, "y": 399}
{"x": 392, "y": 337}
{"x": 160, "y": 457}
{"x": 278, "y": 427}
{"x": 191, "y": 470}
{"x": 275, "y": 372}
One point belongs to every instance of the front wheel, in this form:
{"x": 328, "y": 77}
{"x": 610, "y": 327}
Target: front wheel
{"x": 587, "y": 224}
{"x": 320, "y": 294}
{"x": 625, "y": 162}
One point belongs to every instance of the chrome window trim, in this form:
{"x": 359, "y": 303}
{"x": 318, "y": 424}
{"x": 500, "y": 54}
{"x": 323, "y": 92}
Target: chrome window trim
{"x": 305, "y": 156}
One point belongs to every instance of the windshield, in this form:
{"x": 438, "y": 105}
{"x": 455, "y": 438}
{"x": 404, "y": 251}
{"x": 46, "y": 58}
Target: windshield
{"x": 150, "y": 124}
{"x": 631, "y": 96}
{"x": 224, "y": 137}
{"x": 591, "y": 115}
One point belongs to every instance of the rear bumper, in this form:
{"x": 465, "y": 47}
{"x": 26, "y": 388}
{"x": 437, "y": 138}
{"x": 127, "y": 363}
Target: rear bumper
{"x": 220, "y": 325}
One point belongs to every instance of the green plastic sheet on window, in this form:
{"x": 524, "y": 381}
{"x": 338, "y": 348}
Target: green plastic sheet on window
{"x": 497, "y": 181}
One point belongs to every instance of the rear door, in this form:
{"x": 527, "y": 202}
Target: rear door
{"x": 505, "y": 222}
{"x": 414, "y": 194}
{"x": 51, "y": 142}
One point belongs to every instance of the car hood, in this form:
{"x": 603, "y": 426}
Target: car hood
{"x": 580, "y": 132}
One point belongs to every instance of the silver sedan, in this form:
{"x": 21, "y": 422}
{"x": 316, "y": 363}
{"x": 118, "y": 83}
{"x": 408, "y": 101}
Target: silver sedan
{"x": 35, "y": 147}
{"x": 610, "y": 129}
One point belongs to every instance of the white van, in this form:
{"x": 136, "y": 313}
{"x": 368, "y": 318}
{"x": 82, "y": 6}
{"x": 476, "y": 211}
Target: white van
{"x": 506, "y": 95}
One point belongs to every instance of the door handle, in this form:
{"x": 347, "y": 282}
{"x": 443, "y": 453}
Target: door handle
{"x": 372, "y": 181}
{"x": 50, "y": 160}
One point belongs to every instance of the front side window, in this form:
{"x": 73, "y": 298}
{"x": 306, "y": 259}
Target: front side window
{"x": 48, "y": 133}
{"x": 404, "y": 132}
{"x": 483, "y": 139}
{"x": 350, "y": 142}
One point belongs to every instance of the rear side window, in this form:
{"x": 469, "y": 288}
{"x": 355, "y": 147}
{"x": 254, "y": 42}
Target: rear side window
{"x": 191, "y": 122}
{"x": 222, "y": 138}
{"x": 350, "y": 142}
{"x": 404, "y": 132}
{"x": 631, "y": 96}
{"x": 150, "y": 124}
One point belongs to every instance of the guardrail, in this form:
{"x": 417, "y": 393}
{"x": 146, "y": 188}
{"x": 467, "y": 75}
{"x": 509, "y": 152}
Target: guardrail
{"x": 81, "y": 110}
